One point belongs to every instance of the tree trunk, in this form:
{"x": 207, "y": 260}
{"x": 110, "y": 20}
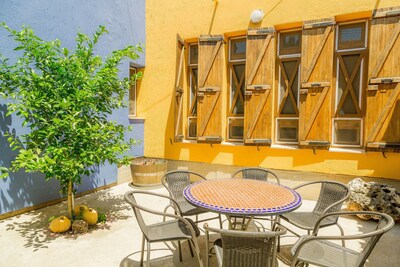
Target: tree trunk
{"x": 70, "y": 199}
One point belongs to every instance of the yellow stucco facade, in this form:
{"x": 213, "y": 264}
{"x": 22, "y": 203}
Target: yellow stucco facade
{"x": 190, "y": 19}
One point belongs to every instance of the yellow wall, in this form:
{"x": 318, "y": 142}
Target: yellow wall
{"x": 189, "y": 18}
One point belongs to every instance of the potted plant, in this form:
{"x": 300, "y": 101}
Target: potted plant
{"x": 147, "y": 171}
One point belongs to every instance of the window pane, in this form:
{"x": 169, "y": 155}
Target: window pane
{"x": 287, "y": 130}
{"x": 289, "y": 67}
{"x": 290, "y": 43}
{"x": 347, "y": 132}
{"x": 132, "y": 94}
{"x": 295, "y": 86}
{"x": 351, "y": 36}
{"x": 193, "y": 54}
{"x": 282, "y": 89}
{"x": 192, "y": 128}
{"x": 288, "y": 107}
{"x": 193, "y": 91}
{"x": 349, "y": 107}
{"x": 237, "y": 49}
{"x": 235, "y": 128}
{"x": 238, "y": 106}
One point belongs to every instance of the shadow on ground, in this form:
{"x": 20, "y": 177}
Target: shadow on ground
{"x": 168, "y": 256}
{"x": 34, "y": 226}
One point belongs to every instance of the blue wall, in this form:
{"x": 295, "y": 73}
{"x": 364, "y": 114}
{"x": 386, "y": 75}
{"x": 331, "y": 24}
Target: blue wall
{"x": 125, "y": 21}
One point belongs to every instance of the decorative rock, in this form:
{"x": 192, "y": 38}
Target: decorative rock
{"x": 373, "y": 196}
{"x": 80, "y": 226}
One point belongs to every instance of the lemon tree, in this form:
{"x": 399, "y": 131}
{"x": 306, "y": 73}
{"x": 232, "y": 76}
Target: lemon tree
{"x": 65, "y": 98}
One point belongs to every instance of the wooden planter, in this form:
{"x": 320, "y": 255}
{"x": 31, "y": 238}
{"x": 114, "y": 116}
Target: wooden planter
{"x": 147, "y": 171}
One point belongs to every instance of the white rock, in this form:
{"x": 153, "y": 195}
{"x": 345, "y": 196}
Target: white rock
{"x": 373, "y": 196}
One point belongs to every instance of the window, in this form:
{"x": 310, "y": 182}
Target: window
{"x": 347, "y": 131}
{"x": 287, "y": 129}
{"x": 237, "y": 68}
{"x": 350, "y": 63}
{"x": 351, "y": 36}
{"x": 193, "y": 88}
{"x": 132, "y": 93}
{"x": 289, "y": 44}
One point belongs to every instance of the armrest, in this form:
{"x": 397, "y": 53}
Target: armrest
{"x": 175, "y": 206}
{"x": 389, "y": 223}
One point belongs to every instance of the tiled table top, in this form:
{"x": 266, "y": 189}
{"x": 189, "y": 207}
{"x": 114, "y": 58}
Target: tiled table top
{"x": 242, "y": 196}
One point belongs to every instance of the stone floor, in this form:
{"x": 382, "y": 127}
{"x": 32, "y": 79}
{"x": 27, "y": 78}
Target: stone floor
{"x": 26, "y": 241}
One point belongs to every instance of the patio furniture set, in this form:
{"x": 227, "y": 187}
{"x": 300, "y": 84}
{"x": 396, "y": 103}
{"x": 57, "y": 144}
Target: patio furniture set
{"x": 253, "y": 195}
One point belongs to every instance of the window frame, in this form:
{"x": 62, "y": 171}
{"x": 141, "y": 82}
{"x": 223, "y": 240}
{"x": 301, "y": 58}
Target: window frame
{"x": 277, "y": 119}
{"x": 285, "y": 57}
{"x": 231, "y": 97}
{"x": 360, "y": 133}
{"x": 362, "y": 52}
{"x": 133, "y": 97}
{"x": 192, "y": 99}
{"x": 288, "y": 51}
{"x": 365, "y": 33}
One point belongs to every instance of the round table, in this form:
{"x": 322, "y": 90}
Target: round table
{"x": 242, "y": 197}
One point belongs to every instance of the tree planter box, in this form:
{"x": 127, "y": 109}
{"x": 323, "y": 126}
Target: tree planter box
{"x": 147, "y": 171}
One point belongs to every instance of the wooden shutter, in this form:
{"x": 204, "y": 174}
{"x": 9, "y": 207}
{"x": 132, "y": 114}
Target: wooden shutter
{"x": 209, "y": 108}
{"x": 180, "y": 72}
{"x": 316, "y": 82}
{"x": 260, "y": 62}
{"x": 383, "y": 106}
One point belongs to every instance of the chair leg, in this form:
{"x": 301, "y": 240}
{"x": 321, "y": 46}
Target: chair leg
{"x": 142, "y": 252}
{"x": 190, "y": 247}
{"x": 207, "y": 248}
{"x": 277, "y": 221}
{"x": 148, "y": 254}
{"x": 197, "y": 249}
{"x": 165, "y": 211}
{"x": 279, "y": 244}
{"x": 180, "y": 251}
{"x": 297, "y": 264}
{"x": 342, "y": 233}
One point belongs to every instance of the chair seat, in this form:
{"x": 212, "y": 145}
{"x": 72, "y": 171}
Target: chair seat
{"x": 188, "y": 209}
{"x": 170, "y": 230}
{"x": 325, "y": 253}
{"x": 306, "y": 220}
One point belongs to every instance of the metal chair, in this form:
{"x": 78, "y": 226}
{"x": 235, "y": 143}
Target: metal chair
{"x": 176, "y": 228}
{"x": 331, "y": 197}
{"x": 256, "y": 173}
{"x": 242, "y": 248}
{"x": 175, "y": 182}
{"x": 321, "y": 251}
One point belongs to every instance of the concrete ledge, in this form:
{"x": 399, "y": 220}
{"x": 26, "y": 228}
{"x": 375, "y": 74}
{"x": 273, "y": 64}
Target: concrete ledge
{"x": 288, "y": 178}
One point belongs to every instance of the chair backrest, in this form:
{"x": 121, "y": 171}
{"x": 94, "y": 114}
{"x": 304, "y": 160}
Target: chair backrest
{"x": 383, "y": 225}
{"x": 256, "y": 173}
{"x": 130, "y": 198}
{"x": 369, "y": 237}
{"x": 255, "y": 249}
{"x": 176, "y": 181}
{"x": 332, "y": 193}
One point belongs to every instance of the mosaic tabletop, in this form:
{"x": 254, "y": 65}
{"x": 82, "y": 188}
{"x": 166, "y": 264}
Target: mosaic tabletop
{"x": 242, "y": 196}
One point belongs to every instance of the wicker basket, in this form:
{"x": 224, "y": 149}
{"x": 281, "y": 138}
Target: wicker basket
{"x": 147, "y": 171}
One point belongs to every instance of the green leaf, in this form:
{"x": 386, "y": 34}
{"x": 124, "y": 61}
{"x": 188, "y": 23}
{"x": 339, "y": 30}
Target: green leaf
{"x": 65, "y": 97}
